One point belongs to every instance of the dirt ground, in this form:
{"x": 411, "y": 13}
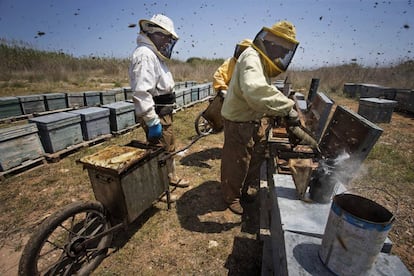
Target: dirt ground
{"x": 197, "y": 236}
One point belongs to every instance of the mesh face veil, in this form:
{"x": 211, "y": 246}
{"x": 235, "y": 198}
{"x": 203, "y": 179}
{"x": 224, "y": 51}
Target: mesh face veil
{"x": 241, "y": 46}
{"x": 277, "y": 49}
{"x": 163, "y": 41}
{"x": 160, "y": 30}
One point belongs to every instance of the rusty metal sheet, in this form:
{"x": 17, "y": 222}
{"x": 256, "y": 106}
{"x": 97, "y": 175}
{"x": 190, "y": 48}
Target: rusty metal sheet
{"x": 316, "y": 117}
{"x": 301, "y": 172}
{"x": 127, "y": 179}
{"x": 351, "y": 133}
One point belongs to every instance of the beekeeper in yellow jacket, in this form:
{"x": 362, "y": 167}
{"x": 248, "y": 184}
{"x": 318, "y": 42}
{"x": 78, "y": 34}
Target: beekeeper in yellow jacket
{"x": 153, "y": 85}
{"x": 221, "y": 79}
{"x": 222, "y": 76}
{"x": 250, "y": 98}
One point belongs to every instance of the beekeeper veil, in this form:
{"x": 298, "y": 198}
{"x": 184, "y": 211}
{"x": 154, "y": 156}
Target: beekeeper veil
{"x": 160, "y": 30}
{"x": 277, "y": 45}
{"x": 241, "y": 46}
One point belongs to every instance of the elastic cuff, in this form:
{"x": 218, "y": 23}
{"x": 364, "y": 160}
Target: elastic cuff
{"x": 152, "y": 122}
{"x": 151, "y": 118}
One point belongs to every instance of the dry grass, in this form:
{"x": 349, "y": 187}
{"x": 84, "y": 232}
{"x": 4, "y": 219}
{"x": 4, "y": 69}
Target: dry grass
{"x": 27, "y": 71}
{"x": 332, "y": 78}
{"x": 24, "y": 70}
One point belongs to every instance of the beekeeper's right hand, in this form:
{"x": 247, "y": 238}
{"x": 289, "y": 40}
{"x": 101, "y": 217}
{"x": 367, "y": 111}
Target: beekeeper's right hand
{"x": 155, "y": 131}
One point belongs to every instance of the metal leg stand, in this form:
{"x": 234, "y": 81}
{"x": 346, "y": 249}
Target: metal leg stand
{"x": 167, "y": 192}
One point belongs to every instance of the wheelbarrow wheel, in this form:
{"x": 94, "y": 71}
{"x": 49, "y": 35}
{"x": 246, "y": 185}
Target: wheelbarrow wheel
{"x": 57, "y": 248}
{"x": 202, "y": 126}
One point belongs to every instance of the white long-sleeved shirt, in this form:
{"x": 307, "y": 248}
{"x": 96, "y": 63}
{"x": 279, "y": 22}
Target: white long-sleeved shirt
{"x": 149, "y": 77}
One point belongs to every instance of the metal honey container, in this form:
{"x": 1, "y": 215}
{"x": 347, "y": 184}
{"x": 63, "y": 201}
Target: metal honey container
{"x": 127, "y": 179}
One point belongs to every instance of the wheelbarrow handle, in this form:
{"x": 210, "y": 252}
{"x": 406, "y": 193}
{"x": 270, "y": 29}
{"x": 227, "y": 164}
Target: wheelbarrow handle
{"x": 171, "y": 154}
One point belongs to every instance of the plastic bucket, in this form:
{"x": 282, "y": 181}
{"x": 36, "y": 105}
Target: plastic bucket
{"x": 354, "y": 234}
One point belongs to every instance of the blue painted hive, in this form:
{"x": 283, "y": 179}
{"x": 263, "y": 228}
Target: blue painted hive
{"x": 59, "y": 131}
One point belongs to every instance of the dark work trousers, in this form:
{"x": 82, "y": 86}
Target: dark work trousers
{"x": 242, "y": 156}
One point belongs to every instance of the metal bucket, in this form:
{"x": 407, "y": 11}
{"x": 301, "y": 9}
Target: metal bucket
{"x": 322, "y": 188}
{"x": 323, "y": 184}
{"x": 354, "y": 234}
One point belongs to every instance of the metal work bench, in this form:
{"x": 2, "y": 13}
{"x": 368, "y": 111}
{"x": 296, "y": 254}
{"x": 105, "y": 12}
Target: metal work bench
{"x": 292, "y": 231}
{"x": 292, "y": 225}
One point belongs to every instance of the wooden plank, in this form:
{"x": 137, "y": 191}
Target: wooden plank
{"x": 125, "y": 130}
{"x": 277, "y": 241}
{"x": 56, "y": 156}
{"x": 25, "y": 167}
{"x": 38, "y": 114}
{"x": 15, "y": 118}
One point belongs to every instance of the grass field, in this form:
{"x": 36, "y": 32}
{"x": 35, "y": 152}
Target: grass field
{"x": 198, "y": 236}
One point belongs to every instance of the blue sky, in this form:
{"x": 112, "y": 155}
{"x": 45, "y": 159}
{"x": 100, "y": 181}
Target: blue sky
{"x": 330, "y": 32}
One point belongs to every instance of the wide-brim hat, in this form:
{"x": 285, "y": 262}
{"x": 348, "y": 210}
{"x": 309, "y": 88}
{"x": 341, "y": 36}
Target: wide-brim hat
{"x": 284, "y": 29}
{"x": 161, "y": 21}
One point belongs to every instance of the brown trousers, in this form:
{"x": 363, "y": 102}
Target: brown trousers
{"x": 167, "y": 140}
{"x": 242, "y": 156}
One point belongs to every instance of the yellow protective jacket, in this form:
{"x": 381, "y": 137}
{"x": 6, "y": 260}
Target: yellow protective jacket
{"x": 251, "y": 95}
{"x": 222, "y": 76}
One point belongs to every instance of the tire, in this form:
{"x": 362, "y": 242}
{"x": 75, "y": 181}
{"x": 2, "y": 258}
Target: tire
{"x": 202, "y": 126}
{"x": 51, "y": 250}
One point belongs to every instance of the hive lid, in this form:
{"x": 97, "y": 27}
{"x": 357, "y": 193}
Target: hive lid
{"x": 54, "y": 95}
{"x": 8, "y": 100}
{"x": 92, "y": 93}
{"x": 56, "y": 120}
{"x": 31, "y": 98}
{"x": 117, "y": 158}
{"x": 92, "y": 113}
{"x": 117, "y": 90}
{"x": 108, "y": 93}
{"x": 377, "y": 101}
{"x": 17, "y": 131}
{"x": 120, "y": 107}
{"x": 75, "y": 94}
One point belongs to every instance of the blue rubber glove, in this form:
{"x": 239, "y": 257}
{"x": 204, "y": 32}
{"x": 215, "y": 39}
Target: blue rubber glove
{"x": 155, "y": 131}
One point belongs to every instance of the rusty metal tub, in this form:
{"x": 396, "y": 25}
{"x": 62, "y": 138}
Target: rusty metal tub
{"x": 127, "y": 179}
